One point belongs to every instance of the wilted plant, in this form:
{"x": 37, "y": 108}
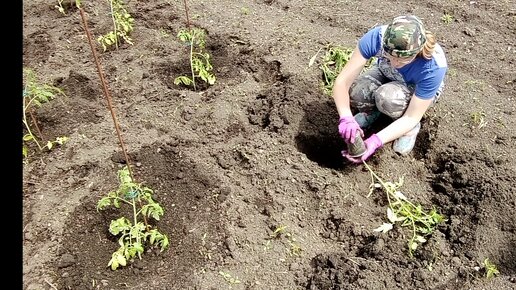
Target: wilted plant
{"x": 34, "y": 95}
{"x": 421, "y": 222}
{"x": 490, "y": 268}
{"x": 133, "y": 234}
{"x": 122, "y": 26}
{"x": 200, "y": 64}
{"x": 332, "y": 64}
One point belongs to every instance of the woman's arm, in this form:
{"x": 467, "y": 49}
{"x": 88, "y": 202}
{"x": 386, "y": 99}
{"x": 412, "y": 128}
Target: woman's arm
{"x": 415, "y": 111}
{"x": 344, "y": 80}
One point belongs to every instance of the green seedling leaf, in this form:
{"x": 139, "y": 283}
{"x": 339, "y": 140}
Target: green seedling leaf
{"x": 138, "y": 247}
{"x": 491, "y": 269}
{"x": 103, "y": 203}
{"x": 120, "y": 225}
{"x": 121, "y": 260}
{"x": 391, "y": 216}
{"x": 163, "y": 242}
{"x": 117, "y": 259}
{"x": 400, "y": 195}
{"x": 183, "y": 80}
{"x": 385, "y": 227}
{"x": 420, "y": 239}
{"x": 28, "y": 137}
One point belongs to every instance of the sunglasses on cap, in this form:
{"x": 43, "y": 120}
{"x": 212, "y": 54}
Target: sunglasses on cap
{"x": 400, "y": 60}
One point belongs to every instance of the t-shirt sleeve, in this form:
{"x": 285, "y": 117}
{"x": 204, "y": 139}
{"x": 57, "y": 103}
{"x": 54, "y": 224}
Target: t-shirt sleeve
{"x": 369, "y": 44}
{"x": 428, "y": 86}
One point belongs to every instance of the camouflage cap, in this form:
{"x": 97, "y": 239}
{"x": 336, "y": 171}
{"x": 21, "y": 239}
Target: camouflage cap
{"x": 404, "y": 36}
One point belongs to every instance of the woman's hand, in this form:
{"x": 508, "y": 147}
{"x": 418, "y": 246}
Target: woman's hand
{"x": 372, "y": 144}
{"x": 348, "y": 129}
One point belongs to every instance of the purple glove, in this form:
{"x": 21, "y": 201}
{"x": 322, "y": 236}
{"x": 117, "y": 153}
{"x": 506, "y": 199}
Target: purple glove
{"x": 348, "y": 128}
{"x": 372, "y": 144}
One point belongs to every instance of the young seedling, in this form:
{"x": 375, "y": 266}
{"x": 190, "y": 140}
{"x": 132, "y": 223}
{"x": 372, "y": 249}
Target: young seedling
{"x": 34, "y": 95}
{"x": 491, "y": 269}
{"x": 230, "y": 279}
{"x": 294, "y": 248}
{"x": 200, "y": 64}
{"x": 333, "y": 61}
{"x": 122, "y": 26}
{"x": 133, "y": 234}
{"x": 478, "y": 120}
{"x": 401, "y": 210}
{"x": 447, "y": 18}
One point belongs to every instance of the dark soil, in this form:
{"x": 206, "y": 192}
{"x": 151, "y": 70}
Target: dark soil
{"x": 259, "y": 150}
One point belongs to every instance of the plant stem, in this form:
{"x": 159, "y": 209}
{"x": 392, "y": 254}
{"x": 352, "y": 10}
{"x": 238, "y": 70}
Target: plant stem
{"x": 121, "y": 199}
{"x": 135, "y": 215}
{"x": 114, "y": 23}
{"x": 25, "y": 107}
{"x": 36, "y": 124}
{"x": 191, "y": 60}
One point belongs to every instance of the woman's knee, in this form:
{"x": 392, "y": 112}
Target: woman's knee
{"x": 392, "y": 99}
{"x": 361, "y": 92}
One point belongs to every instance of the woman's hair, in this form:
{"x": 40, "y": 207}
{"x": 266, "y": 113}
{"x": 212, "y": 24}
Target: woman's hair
{"x": 428, "y": 47}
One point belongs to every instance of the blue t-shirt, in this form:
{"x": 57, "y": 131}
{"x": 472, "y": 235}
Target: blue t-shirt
{"x": 426, "y": 75}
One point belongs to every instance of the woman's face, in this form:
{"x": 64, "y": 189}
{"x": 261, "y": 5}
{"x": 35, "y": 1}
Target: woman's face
{"x": 398, "y": 62}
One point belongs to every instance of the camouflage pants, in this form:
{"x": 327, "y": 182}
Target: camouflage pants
{"x": 373, "y": 89}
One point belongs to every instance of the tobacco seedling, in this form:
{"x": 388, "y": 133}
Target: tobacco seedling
{"x": 200, "y": 64}
{"x": 122, "y": 26}
{"x": 333, "y": 61}
{"x": 133, "y": 234}
{"x": 230, "y": 279}
{"x": 478, "y": 120}
{"x": 34, "y": 95}
{"x": 491, "y": 269}
{"x": 447, "y": 18}
{"x": 294, "y": 248}
{"x": 400, "y": 209}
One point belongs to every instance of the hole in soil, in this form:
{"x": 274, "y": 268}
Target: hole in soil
{"x": 424, "y": 139}
{"x": 192, "y": 221}
{"x": 321, "y": 149}
{"x": 508, "y": 257}
{"x": 318, "y": 137}
{"x": 268, "y": 109}
{"x": 472, "y": 193}
{"x": 230, "y": 56}
{"x": 60, "y": 116}
{"x": 157, "y": 16}
{"x": 38, "y": 45}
